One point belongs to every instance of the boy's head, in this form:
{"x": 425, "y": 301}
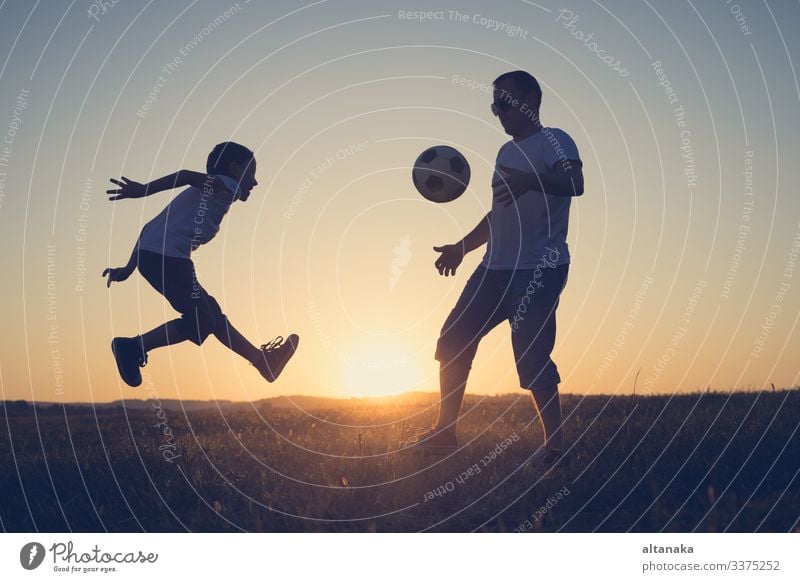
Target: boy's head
{"x": 235, "y": 161}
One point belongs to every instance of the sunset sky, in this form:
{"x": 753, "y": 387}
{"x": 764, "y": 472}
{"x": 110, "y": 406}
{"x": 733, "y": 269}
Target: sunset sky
{"x": 684, "y": 246}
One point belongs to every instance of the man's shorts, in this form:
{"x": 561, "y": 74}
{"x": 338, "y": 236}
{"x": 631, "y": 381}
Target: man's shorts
{"x": 527, "y": 299}
{"x": 176, "y": 280}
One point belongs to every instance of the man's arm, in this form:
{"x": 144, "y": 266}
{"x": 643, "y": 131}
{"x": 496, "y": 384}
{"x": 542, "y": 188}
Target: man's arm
{"x": 478, "y": 236}
{"x": 452, "y": 255}
{"x": 566, "y": 179}
{"x": 130, "y": 189}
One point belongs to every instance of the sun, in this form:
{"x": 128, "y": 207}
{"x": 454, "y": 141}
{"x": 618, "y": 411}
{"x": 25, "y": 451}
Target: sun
{"x": 380, "y": 368}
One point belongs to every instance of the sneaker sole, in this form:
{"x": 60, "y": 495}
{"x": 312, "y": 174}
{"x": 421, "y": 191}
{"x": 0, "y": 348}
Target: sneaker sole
{"x": 132, "y": 382}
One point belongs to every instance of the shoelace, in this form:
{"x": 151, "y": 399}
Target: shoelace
{"x": 143, "y": 357}
{"x": 273, "y": 345}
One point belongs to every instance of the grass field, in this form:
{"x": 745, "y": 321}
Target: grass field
{"x": 697, "y": 462}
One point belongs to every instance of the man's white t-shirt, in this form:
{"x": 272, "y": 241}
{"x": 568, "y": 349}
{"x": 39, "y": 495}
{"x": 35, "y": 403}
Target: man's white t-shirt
{"x": 532, "y": 232}
{"x": 191, "y": 219}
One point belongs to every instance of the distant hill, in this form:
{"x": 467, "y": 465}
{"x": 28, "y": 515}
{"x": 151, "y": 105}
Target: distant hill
{"x": 296, "y": 402}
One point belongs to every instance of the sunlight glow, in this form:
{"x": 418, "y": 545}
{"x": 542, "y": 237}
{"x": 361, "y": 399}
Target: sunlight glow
{"x": 380, "y": 368}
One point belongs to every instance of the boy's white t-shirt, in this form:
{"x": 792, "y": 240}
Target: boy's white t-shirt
{"x": 532, "y": 232}
{"x": 191, "y": 219}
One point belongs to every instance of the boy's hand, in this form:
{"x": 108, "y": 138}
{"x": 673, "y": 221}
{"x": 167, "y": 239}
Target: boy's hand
{"x": 117, "y": 275}
{"x": 127, "y": 189}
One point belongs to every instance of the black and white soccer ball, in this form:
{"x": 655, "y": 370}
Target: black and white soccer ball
{"x": 441, "y": 173}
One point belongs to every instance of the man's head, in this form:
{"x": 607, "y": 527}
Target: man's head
{"x": 516, "y": 101}
{"x": 235, "y": 161}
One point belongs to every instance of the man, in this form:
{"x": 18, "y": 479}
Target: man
{"x": 162, "y": 255}
{"x": 523, "y": 270}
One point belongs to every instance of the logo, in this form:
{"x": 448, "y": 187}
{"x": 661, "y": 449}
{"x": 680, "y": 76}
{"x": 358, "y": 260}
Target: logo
{"x": 402, "y": 256}
{"x": 31, "y": 555}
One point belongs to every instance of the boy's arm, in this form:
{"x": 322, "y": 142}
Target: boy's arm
{"x": 130, "y": 189}
{"x": 207, "y": 182}
{"x": 134, "y": 258}
{"x": 119, "y": 274}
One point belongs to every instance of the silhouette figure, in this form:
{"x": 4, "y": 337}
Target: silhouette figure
{"x": 523, "y": 270}
{"x": 163, "y": 256}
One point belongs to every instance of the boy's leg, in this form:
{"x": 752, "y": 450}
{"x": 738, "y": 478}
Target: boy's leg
{"x": 163, "y": 335}
{"x": 235, "y": 341}
{"x": 176, "y": 280}
{"x": 269, "y": 360}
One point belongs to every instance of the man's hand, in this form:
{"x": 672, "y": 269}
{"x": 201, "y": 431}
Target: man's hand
{"x": 450, "y": 259}
{"x": 514, "y": 184}
{"x": 117, "y": 275}
{"x": 127, "y": 189}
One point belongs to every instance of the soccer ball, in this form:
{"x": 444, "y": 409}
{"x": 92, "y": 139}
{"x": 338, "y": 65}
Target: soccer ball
{"x": 441, "y": 173}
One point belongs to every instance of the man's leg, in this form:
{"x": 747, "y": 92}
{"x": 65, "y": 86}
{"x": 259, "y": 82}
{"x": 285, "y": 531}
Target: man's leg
{"x": 452, "y": 384}
{"x": 548, "y": 406}
{"x": 477, "y": 311}
{"x": 533, "y": 338}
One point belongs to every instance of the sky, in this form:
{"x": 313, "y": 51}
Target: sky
{"x": 684, "y": 247}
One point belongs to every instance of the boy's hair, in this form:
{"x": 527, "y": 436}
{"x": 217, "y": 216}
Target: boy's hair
{"x": 525, "y": 82}
{"x": 223, "y": 154}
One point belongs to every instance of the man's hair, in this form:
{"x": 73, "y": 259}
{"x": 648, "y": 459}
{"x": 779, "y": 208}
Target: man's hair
{"x": 223, "y": 154}
{"x": 523, "y": 81}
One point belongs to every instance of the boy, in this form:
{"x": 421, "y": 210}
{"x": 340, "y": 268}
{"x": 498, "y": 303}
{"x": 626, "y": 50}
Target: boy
{"x": 162, "y": 255}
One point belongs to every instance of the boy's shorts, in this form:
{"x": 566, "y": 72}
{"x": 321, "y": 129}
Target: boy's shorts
{"x": 176, "y": 280}
{"x": 527, "y": 299}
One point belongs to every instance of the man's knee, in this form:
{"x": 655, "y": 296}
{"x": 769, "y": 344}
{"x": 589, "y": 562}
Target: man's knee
{"x": 452, "y": 350}
{"x": 538, "y": 374}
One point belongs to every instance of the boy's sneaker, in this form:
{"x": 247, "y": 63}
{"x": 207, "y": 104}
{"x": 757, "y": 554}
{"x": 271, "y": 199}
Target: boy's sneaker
{"x": 130, "y": 356}
{"x": 434, "y": 442}
{"x": 275, "y": 355}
